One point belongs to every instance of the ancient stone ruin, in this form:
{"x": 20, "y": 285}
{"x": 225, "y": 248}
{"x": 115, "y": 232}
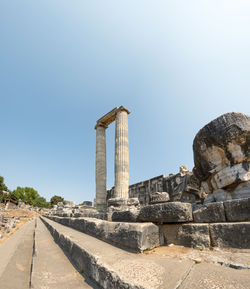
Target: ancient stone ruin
{"x": 222, "y": 156}
{"x": 209, "y": 206}
{"x": 206, "y": 208}
{"x": 120, "y": 116}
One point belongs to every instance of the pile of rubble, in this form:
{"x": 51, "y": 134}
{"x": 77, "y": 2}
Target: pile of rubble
{"x": 6, "y": 224}
{"x": 70, "y": 209}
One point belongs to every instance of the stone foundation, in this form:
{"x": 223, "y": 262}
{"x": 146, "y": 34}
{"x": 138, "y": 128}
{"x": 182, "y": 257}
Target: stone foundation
{"x": 222, "y": 235}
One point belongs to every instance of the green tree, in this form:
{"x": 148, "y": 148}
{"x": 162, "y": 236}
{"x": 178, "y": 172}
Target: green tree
{"x": 30, "y": 195}
{"x": 56, "y": 199}
{"x": 18, "y": 194}
{"x": 41, "y": 202}
{"x": 3, "y": 187}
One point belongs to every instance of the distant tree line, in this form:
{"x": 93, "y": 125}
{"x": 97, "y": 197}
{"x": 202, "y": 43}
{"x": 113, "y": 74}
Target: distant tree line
{"x": 27, "y": 195}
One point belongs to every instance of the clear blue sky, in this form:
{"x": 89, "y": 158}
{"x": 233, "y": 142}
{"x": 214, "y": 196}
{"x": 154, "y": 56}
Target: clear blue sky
{"x": 63, "y": 64}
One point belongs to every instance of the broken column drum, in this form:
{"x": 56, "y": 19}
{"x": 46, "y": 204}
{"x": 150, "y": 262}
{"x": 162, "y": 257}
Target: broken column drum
{"x": 120, "y": 115}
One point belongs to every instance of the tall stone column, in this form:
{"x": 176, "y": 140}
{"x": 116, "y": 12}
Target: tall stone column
{"x": 121, "y": 154}
{"x": 101, "y": 171}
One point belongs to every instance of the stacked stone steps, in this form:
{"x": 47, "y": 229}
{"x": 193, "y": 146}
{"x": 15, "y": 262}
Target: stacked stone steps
{"x": 221, "y": 224}
{"x": 50, "y": 267}
{"x": 135, "y": 237}
{"x": 113, "y": 268}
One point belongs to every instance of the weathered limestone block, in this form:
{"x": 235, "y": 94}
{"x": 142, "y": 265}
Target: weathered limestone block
{"x": 182, "y": 187}
{"x": 133, "y": 236}
{"x": 90, "y": 214}
{"x": 173, "y": 212}
{"x": 133, "y": 202}
{"x": 237, "y": 210}
{"x": 210, "y": 213}
{"x": 117, "y": 202}
{"x": 242, "y": 191}
{"x": 221, "y": 195}
{"x": 221, "y": 152}
{"x": 159, "y": 197}
{"x": 230, "y": 235}
{"x": 231, "y": 175}
{"x": 209, "y": 199}
{"x": 189, "y": 235}
{"x": 125, "y": 216}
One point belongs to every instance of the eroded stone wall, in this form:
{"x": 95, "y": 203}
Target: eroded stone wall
{"x": 180, "y": 187}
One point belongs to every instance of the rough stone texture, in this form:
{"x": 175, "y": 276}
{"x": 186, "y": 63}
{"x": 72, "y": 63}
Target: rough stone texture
{"x": 222, "y": 195}
{"x": 70, "y": 210}
{"x": 221, "y": 152}
{"x": 215, "y": 276}
{"x": 69, "y": 204}
{"x": 241, "y": 191}
{"x": 172, "y": 212}
{"x": 182, "y": 187}
{"x": 234, "y": 235}
{"x": 222, "y": 235}
{"x": 210, "y": 213}
{"x": 133, "y": 236}
{"x": 237, "y": 210}
{"x": 125, "y": 216}
{"x": 121, "y": 202}
{"x": 133, "y": 202}
{"x": 189, "y": 235}
{"x": 159, "y": 197}
{"x": 113, "y": 268}
{"x": 209, "y": 199}
{"x": 230, "y": 175}
{"x": 89, "y": 214}
{"x": 123, "y": 210}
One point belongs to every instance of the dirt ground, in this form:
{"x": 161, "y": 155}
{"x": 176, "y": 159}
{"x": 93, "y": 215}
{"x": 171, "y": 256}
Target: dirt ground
{"x": 23, "y": 216}
{"x": 236, "y": 258}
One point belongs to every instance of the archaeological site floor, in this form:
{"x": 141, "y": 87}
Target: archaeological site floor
{"x": 45, "y": 254}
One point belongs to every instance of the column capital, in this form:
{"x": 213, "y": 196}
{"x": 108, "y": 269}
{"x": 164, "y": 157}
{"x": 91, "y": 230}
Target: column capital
{"x": 122, "y": 108}
{"x": 101, "y": 124}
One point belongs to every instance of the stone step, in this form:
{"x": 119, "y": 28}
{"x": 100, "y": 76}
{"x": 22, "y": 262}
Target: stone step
{"x": 136, "y": 237}
{"x": 171, "y": 212}
{"x": 15, "y": 258}
{"x": 222, "y": 235}
{"x": 51, "y": 268}
{"x": 114, "y": 268}
{"x": 227, "y": 211}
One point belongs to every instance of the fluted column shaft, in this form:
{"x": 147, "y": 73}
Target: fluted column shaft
{"x": 101, "y": 170}
{"x": 121, "y": 155}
